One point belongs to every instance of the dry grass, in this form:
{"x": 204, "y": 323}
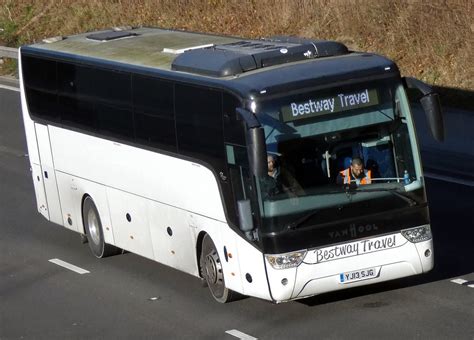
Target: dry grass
{"x": 431, "y": 40}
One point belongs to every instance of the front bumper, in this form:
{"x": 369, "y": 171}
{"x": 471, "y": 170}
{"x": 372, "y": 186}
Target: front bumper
{"x": 320, "y": 272}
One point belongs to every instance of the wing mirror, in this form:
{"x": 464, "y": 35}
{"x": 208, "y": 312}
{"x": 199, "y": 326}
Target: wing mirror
{"x": 431, "y": 105}
{"x": 256, "y": 147}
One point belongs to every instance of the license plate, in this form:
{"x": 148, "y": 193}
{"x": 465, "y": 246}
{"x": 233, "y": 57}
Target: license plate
{"x": 359, "y": 275}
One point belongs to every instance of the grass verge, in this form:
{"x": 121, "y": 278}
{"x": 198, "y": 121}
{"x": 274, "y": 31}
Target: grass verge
{"x": 433, "y": 41}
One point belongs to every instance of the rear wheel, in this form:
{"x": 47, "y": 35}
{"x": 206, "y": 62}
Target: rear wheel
{"x": 211, "y": 271}
{"x": 94, "y": 232}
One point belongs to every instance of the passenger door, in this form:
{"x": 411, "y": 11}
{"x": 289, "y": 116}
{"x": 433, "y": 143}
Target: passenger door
{"x": 48, "y": 174}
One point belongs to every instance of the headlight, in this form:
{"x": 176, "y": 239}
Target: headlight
{"x": 418, "y": 234}
{"x": 288, "y": 260}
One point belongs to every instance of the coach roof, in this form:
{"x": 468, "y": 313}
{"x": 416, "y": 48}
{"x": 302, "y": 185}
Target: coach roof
{"x": 245, "y": 65}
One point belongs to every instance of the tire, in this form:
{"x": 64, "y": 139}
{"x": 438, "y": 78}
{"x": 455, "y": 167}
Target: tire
{"x": 211, "y": 270}
{"x": 94, "y": 232}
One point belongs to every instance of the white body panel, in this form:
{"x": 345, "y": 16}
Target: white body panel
{"x": 49, "y": 174}
{"x": 163, "y": 192}
{"x": 158, "y": 192}
{"x": 72, "y": 191}
{"x": 244, "y": 267}
{"x": 129, "y": 219}
{"x": 177, "y": 250}
{"x": 316, "y": 275}
{"x": 42, "y": 204}
{"x": 151, "y": 175}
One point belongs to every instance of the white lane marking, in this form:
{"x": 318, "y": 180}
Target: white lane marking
{"x": 11, "y": 88}
{"x": 463, "y": 282}
{"x": 458, "y": 281}
{"x": 69, "y": 266}
{"x": 240, "y": 335}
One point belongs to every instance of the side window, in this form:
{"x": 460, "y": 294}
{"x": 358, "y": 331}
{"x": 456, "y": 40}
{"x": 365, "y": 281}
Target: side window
{"x": 154, "y": 112}
{"x": 404, "y": 158}
{"x": 199, "y": 122}
{"x": 234, "y": 130}
{"x": 114, "y": 103}
{"x": 76, "y": 107}
{"x": 40, "y": 87}
{"x": 95, "y": 99}
{"x": 241, "y": 181}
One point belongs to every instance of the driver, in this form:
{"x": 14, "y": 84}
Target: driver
{"x": 271, "y": 184}
{"x": 355, "y": 174}
{"x": 279, "y": 180}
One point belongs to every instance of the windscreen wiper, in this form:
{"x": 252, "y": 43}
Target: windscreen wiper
{"x": 295, "y": 224}
{"x": 395, "y": 192}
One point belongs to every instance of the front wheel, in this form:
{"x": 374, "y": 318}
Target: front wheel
{"x": 211, "y": 270}
{"x": 94, "y": 232}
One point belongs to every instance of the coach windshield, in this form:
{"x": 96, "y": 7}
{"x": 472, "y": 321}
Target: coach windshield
{"x": 312, "y": 137}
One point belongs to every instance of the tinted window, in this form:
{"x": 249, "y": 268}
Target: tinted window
{"x": 96, "y": 99}
{"x": 153, "y": 96}
{"x": 154, "y": 112}
{"x": 42, "y": 104}
{"x": 39, "y": 74}
{"x": 77, "y": 113}
{"x": 92, "y": 83}
{"x": 40, "y": 86}
{"x": 114, "y": 120}
{"x": 199, "y": 121}
{"x": 233, "y": 124}
{"x": 155, "y": 131}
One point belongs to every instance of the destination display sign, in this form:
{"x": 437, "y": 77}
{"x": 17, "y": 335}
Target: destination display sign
{"x": 321, "y": 106}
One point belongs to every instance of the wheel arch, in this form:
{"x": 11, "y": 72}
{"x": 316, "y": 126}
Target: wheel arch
{"x": 84, "y": 196}
{"x": 199, "y": 241}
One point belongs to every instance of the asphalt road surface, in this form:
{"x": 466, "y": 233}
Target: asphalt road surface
{"x": 128, "y": 296}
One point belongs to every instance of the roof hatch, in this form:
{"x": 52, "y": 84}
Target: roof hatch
{"x": 246, "y": 55}
{"x": 110, "y": 35}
